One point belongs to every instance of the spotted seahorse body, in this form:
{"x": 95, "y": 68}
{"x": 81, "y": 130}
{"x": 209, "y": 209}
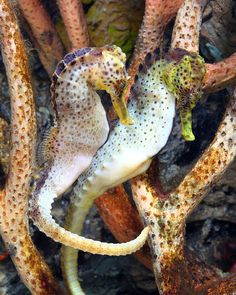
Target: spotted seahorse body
{"x": 129, "y": 149}
{"x": 80, "y": 129}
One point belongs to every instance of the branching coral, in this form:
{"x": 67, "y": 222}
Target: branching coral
{"x": 73, "y": 17}
{"x": 14, "y": 197}
{"x": 157, "y": 15}
{"x": 121, "y": 218}
{"x": 165, "y": 214}
{"x": 187, "y": 25}
{"x": 45, "y": 35}
{"x": 220, "y": 75}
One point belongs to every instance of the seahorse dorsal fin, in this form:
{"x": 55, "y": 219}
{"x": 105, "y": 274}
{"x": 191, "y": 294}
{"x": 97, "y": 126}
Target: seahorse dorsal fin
{"x": 149, "y": 60}
{"x": 45, "y": 151}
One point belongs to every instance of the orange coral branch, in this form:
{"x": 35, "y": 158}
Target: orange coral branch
{"x": 187, "y": 25}
{"x": 122, "y": 219}
{"x": 49, "y": 45}
{"x": 220, "y": 74}
{"x": 14, "y": 198}
{"x": 74, "y": 19}
{"x": 209, "y": 167}
{"x": 158, "y": 13}
{"x": 167, "y": 216}
{"x": 226, "y": 286}
{"x": 124, "y": 222}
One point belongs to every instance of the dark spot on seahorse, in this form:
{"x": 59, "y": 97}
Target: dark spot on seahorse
{"x": 142, "y": 68}
{"x": 148, "y": 60}
{"x": 133, "y": 92}
{"x": 39, "y": 183}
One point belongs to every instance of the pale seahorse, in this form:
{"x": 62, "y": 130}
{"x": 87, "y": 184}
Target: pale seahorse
{"x": 80, "y": 129}
{"x": 129, "y": 149}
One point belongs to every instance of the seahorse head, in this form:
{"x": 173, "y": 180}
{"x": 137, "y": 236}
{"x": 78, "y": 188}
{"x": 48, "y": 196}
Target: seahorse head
{"x": 110, "y": 75}
{"x": 183, "y": 76}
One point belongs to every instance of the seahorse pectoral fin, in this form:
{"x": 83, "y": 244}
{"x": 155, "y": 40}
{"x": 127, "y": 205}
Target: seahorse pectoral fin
{"x": 45, "y": 148}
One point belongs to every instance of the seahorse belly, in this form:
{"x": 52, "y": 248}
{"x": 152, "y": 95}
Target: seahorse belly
{"x": 129, "y": 164}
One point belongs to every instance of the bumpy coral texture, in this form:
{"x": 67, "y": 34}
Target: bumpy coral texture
{"x": 74, "y": 20}
{"x": 14, "y": 227}
{"x": 48, "y": 43}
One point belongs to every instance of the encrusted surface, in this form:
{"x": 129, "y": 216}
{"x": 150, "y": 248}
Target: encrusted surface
{"x": 14, "y": 197}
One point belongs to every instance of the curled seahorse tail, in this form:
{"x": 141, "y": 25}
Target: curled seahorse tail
{"x": 69, "y": 260}
{"x": 40, "y": 213}
{"x": 69, "y": 266}
{"x": 69, "y": 257}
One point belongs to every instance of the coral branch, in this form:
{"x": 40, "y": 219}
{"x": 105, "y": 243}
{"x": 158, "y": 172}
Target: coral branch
{"x": 49, "y": 47}
{"x": 73, "y": 16}
{"x": 220, "y": 74}
{"x": 187, "y": 25}
{"x": 4, "y": 145}
{"x": 226, "y": 286}
{"x": 158, "y": 13}
{"x": 209, "y": 167}
{"x": 14, "y": 198}
{"x": 122, "y": 219}
{"x": 167, "y": 216}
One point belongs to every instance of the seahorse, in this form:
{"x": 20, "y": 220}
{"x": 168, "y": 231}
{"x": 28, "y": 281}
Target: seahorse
{"x": 129, "y": 149}
{"x": 80, "y": 129}
{"x": 186, "y": 88}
